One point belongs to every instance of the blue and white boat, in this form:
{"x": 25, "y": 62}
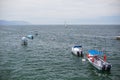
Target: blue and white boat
{"x": 77, "y": 50}
{"x": 94, "y": 58}
{"x": 30, "y": 36}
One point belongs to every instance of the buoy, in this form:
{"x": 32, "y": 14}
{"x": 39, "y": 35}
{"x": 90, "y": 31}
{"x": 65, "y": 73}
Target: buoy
{"x": 83, "y": 59}
{"x": 36, "y": 34}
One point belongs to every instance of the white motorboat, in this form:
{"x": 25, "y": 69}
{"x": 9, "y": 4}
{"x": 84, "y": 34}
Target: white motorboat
{"x": 77, "y": 50}
{"x": 24, "y": 41}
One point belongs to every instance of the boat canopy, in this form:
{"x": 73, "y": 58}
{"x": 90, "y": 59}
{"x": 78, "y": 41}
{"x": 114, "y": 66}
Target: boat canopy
{"x": 29, "y": 35}
{"x": 77, "y": 46}
{"x": 95, "y": 52}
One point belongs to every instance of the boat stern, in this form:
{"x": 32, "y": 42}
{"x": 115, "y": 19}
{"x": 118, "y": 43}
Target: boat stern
{"x": 77, "y": 51}
{"x": 106, "y": 67}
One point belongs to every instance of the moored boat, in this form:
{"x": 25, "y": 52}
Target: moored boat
{"x": 24, "y": 41}
{"x": 118, "y": 37}
{"x": 94, "y": 58}
{"x": 30, "y": 36}
{"x": 77, "y": 50}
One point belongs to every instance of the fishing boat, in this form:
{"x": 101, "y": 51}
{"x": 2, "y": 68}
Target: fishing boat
{"x": 77, "y": 50}
{"x": 94, "y": 58}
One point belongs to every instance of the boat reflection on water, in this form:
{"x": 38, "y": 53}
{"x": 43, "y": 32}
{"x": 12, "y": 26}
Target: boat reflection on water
{"x": 98, "y": 74}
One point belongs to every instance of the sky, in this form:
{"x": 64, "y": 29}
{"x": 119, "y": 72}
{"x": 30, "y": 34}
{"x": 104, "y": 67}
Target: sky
{"x": 61, "y": 11}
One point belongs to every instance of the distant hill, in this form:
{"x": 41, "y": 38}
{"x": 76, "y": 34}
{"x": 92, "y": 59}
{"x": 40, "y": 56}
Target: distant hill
{"x": 4, "y": 22}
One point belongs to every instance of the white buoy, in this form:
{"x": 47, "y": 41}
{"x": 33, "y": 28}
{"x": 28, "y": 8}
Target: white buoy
{"x": 24, "y": 41}
{"x": 83, "y": 59}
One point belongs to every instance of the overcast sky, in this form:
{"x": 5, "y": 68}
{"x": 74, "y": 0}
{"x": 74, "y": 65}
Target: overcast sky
{"x": 61, "y": 11}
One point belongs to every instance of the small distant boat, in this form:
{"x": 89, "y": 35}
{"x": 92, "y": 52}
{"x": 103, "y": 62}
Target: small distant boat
{"x": 36, "y": 34}
{"x": 24, "y": 41}
{"x": 118, "y": 37}
{"x": 30, "y": 36}
{"x": 94, "y": 58}
{"x": 77, "y": 50}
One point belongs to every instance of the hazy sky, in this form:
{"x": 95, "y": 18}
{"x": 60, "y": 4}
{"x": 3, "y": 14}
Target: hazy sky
{"x": 61, "y": 11}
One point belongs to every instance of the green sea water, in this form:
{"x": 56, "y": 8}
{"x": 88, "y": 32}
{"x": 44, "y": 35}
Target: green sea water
{"x": 48, "y": 56}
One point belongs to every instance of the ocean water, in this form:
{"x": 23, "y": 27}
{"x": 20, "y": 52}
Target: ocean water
{"x": 48, "y": 56}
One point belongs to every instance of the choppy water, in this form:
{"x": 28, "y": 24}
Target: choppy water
{"x": 48, "y": 56}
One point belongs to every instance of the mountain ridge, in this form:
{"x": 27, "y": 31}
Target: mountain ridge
{"x": 6, "y": 22}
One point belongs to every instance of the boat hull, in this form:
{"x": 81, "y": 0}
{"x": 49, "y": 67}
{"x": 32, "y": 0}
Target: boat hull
{"x": 97, "y": 67}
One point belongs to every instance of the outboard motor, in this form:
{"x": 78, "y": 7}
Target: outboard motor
{"x": 32, "y": 37}
{"x": 81, "y": 54}
{"x": 103, "y": 67}
{"x": 108, "y": 67}
{"x": 78, "y": 53}
{"x": 24, "y": 41}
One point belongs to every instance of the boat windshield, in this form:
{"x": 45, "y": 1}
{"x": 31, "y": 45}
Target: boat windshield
{"x": 95, "y": 52}
{"x": 77, "y": 46}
